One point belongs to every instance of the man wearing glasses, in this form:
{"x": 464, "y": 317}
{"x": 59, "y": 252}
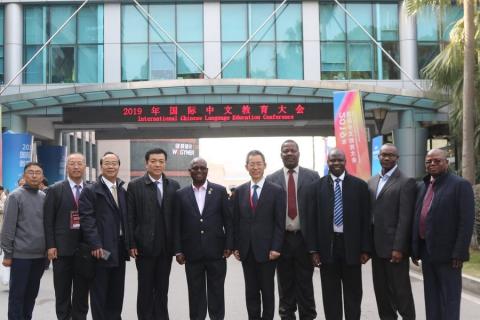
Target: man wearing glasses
{"x": 23, "y": 243}
{"x": 203, "y": 241}
{"x": 442, "y": 230}
{"x": 392, "y": 198}
{"x": 150, "y": 219}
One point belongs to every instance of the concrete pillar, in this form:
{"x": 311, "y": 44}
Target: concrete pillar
{"x": 411, "y": 141}
{"x": 408, "y": 42}
{"x": 212, "y": 54}
{"x": 13, "y": 42}
{"x": 311, "y": 40}
{"x": 112, "y": 42}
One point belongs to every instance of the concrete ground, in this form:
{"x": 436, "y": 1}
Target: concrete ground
{"x": 234, "y": 296}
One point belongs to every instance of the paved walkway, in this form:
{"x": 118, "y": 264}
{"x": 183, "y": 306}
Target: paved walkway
{"x": 234, "y": 296}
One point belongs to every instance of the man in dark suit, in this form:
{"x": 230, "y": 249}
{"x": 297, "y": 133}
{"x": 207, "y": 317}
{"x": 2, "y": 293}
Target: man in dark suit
{"x": 62, "y": 233}
{"x": 259, "y": 226}
{"x": 150, "y": 219}
{"x": 339, "y": 236}
{"x": 392, "y": 197}
{"x": 203, "y": 240}
{"x": 295, "y": 269}
{"x": 103, "y": 220}
{"x": 442, "y": 230}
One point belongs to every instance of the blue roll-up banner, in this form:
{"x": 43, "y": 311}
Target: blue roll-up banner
{"x": 52, "y": 159}
{"x": 377, "y": 143}
{"x": 17, "y": 151}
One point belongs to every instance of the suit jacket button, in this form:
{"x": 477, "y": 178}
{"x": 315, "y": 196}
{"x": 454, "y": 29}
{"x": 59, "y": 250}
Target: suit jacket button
{"x": 201, "y": 220}
{"x": 202, "y": 232}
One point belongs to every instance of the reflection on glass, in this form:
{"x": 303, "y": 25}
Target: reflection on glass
{"x": 289, "y": 23}
{"x": 363, "y": 14}
{"x": 332, "y": 23}
{"x": 162, "y": 61}
{"x": 189, "y": 22}
{"x": 289, "y": 61}
{"x": 134, "y": 62}
{"x": 234, "y": 22}
{"x": 62, "y": 64}
{"x": 58, "y": 15}
{"x": 333, "y": 59}
{"x": 90, "y": 64}
{"x": 258, "y": 12}
{"x": 134, "y": 25}
{"x": 360, "y": 61}
{"x": 186, "y": 68}
{"x": 90, "y": 22}
{"x": 165, "y": 16}
{"x": 262, "y": 60}
{"x": 35, "y": 72}
{"x": 238, "y": 66}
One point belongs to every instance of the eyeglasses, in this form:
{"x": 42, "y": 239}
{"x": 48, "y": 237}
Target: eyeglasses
{"x": 33, "y": 173}
{"x": 434, "y": 161}
{"x": 388, "y": 155}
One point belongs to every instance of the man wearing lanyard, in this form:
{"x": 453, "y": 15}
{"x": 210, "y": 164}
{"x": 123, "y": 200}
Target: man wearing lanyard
{"x": 339, "y": 237}
{"x": 259, "y": 227}
{"x": 62, "y": 232}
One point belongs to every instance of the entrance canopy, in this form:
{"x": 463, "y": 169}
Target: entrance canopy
{"x": 52, "y": 101}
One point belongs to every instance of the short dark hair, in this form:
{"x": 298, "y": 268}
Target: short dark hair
{"x": 2, "y": 188}
{"x": 254, "y": 153}
{"x": 289, "y": 141}
{"x": 45, "y": 182}
{"x": 106, "y": 154}
{"x": 30, "y": 164}
{"x": 155, "y": 151}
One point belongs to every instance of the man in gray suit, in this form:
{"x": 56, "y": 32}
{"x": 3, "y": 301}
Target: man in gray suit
{"x": 392, "y": 197}
{"x": 294, "y": 269}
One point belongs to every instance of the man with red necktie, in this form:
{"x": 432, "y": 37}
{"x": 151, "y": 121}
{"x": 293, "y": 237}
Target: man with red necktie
{"x": 259, "y": 226}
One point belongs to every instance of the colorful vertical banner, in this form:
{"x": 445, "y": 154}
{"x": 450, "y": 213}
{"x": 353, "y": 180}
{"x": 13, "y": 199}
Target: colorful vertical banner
{"x": 377, "y": 143}
{"x": 52, "y": 159}
{"x": 350, "y": 132}
{"x": 17, "y": 151}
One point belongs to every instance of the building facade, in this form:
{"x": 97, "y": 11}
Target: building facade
{"x": 123, "y": 53}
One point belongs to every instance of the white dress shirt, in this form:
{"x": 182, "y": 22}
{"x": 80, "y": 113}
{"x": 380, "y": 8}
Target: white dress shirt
{"x": 259, "y": 189}
{"x": 72, "y": 186}
{"x": 159, "y": 184}
{"x": 200, "y": 194}
{"x": 384, "y": 178}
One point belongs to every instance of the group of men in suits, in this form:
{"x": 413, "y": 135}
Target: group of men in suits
{"x": 288, "y": 222}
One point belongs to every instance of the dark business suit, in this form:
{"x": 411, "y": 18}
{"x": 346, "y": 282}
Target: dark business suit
{"x": 256, "y": 233}
{"x": 202, "y": 237}
{"x": 340, "y": 253}
{"x": 294, "y": 269}
{"x": 103, "y": 226}
{"x": 58, "y": 207}
{"x": 392, "y": 215}
{"x": 151, "y": 225}
{"x": 448, "y": 231}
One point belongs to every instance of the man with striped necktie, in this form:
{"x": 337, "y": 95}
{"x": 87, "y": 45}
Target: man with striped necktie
{"x": 339, "y": 236}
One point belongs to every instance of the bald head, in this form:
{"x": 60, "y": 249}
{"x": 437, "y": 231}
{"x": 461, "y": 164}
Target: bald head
{"x": 436, "y": 162}
{"x": 336, "y": 162}
{"x": 198, "y": 171}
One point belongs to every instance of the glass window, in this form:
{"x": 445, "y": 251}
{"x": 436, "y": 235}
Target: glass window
{"x": 276, "y": 49}
{"x": 258, "y": 12}
{"x": 186, "y": 69}
{"x": 35, "y": 25}
{"x": 1, "y": 45}
{"x": 135, "y": 62}
{"x": 289, "y": 23}
{"x": 90, "y": 23}
{"x": 332, "y": 23}
{"x": 429, "y": 28}
{"x": 387, "y": 69}
{"x": 290, "y": 61}
{"x": 1, "y": 26}
{"x": 234, "y": 22}
{"x": 35, "y": 72}
{"x": 360, "y": 61}
{"x": 74, "y": 55}
{"x": 386, "y": 25}
{"x": 165, "y": 16}
{"x": 426, "y": 52}
{"x": 163, "y": 64}
{"x": 189, "y": 22}
{"x": 134, "y": 25}
{"x": 262, "y": 60}
{"x": 2, "y": 73}
{"x": 238, "y": 67}
{"x": 89, "y": 72}
{"x": 363, "y": 14}
{"x": 450, "y": 16}
{"x": 333, "y": 57}
{"x": 155, "y": 56}
{"x": 58, "y": 15}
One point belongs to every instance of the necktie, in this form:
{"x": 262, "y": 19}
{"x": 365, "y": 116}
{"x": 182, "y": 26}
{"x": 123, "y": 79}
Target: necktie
{"x": 338, "y": 204}
{"x": 114, "y": 194}
{"x": 77, "y": 193}
{"x": 254, "y": 196}
{"x": 427, "y": 203}
{"x": 159, "y": 193}
{"x": 292, "y": 196}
